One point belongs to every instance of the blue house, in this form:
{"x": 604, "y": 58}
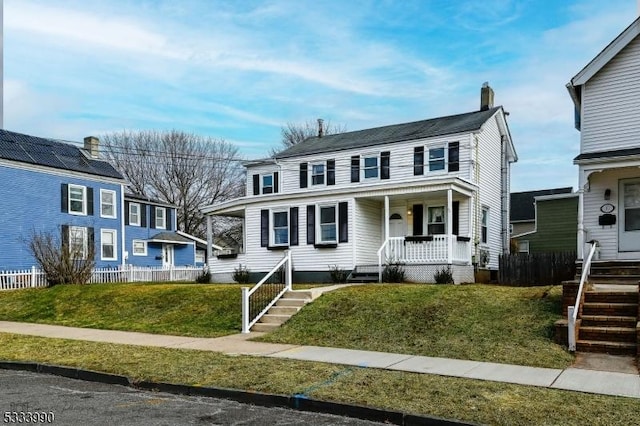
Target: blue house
{"x": 151, "y": 233}
{"x": 62, "y": 189}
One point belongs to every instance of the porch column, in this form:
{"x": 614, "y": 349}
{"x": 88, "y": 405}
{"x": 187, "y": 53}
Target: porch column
{"x": 209, "y": 239}
{"x": 386, "y": 217}
{"x": 449, "y": 225}
{"x": 580, "y": 248}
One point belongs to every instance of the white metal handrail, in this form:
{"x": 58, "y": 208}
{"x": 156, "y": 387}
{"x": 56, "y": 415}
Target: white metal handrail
{"x": 572, "y": 311}
{"x": 247, "y": 323}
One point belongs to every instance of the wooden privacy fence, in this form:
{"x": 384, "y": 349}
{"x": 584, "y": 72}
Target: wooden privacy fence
{"x": 522, "y": 269}
{"x": 30, "y": 278}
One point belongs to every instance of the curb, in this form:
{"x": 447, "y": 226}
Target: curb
{"x": 295, "y": 402}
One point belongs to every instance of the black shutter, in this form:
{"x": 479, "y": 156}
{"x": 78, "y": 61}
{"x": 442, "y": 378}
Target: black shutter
{"x": 65, "y": 235}
{"x": 275, "y": 182}
{"x": 455, "y": 211}
{"x": 355, "y": 168}
{"x": 418, "y": 161}
{"x": 331, "y": 172}
{"x": 454, "y": 156}
{"x": 343, "y": 222}
{"x": 91, "y": 243}
{"x": 293, "y": 226}
{"x": 417, "y": 219}
{"x": 264, "y": 228}
{"x": 126, "y": 212}
{"x": 169, "y": 220}
{"x": 90, "y": 201}
{"x": 303, "y": 175}
{"x": 143, "y": 215}
{"x": 256, "y": 184}
{"x": 152, "y": 222}
{"x": 64, "y": 197}
{"x": 385, "y": 165}
{"x": 311, "y": 224}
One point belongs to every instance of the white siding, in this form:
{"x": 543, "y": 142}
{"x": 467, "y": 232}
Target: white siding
{"x": 369, "y": 228}
{"x": 610, "y": 107}
{"x": 607, "y": 236}
{"x": 489, "y": 163}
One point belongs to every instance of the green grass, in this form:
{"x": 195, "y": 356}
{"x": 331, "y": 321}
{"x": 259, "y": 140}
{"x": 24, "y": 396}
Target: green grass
{"x": 179, "y": 309}
{"x": 463, "y": 399}
{"x": 476, "y": 322}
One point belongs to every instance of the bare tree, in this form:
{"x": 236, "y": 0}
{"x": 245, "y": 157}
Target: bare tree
{"x": 293, "y": 133}
{"x": 179, "y": 168}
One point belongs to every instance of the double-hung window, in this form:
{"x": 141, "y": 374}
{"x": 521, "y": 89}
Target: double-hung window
{"x": 77, "y": 199}
{"x": 108, "y": 244}
{"x": 317, "y": 174}
{"x": 107, "y": 203}
{"x": 327, "y": 228}
{"x": 485, "y": 225}
{"x": 436, "y": 159}
{"x": 139, "y": 248}
{"x": 280, "y": 228}
{"x": 267, "y": 184}
{"x": 435, "y": 220}
{"x": 161, "y": 219}
{"x": 134, "y": 214}
{"x": 370, "y": 167}
{"x": 78, "y": 242}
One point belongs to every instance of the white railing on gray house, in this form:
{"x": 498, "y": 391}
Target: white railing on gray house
{"x": 572, "y": 311}
{"x": 424, "y": 250}
{"x": 258, "y": 300}
{"x": 32, "y": 278}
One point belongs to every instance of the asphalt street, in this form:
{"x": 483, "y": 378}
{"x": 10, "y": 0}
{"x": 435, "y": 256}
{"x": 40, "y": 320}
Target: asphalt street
{"x": 49, "y": 399}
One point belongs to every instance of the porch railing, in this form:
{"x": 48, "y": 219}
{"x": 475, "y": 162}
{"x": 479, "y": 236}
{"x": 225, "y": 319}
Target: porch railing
{"x": 424, "y": 250}
{"x": 259, "y": 299}
{"x": 572, "y": 311}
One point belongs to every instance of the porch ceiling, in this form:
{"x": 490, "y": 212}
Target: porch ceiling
{"x": 425, "y": 191}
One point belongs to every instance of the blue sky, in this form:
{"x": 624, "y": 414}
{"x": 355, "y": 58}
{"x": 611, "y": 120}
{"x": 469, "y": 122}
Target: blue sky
{"x": 240, "y": 70}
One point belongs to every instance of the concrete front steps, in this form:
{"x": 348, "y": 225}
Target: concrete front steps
{"x": 289, "y": 305}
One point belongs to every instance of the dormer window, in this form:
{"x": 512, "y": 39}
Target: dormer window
{"x": 267, "y": 184}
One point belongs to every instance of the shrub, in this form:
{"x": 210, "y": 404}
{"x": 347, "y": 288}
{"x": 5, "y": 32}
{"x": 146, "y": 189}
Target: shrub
{"x": 241, "y": 274}
{"x": 393, "y": 273}
{"x": 204, "y": 277}
{"x": 444, "y": 276}
{"x": 338, "y": 275}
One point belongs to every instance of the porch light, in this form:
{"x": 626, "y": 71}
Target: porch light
{"x": 409, "y": 212}
{"x": 607, "y": 194}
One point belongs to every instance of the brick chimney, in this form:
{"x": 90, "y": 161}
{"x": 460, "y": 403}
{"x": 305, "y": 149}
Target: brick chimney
{"x": 320, "y": 127}
{"x": 486, "y": 97}
{"x": 92, "y": 146}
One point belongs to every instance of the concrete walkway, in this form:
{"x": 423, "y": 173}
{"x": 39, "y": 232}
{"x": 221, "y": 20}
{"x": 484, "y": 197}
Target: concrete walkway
{"x": 574, "y": 379}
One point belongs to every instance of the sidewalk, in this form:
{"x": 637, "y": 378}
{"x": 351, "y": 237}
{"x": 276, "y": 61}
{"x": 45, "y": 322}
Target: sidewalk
{"x": 574, "y": 379}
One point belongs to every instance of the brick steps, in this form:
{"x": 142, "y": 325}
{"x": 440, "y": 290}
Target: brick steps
{"x": 607, "y": 333}
{"x": 613, "y": 348}
{"x": 610, "y": 309}
{"x": 608, "y": 321}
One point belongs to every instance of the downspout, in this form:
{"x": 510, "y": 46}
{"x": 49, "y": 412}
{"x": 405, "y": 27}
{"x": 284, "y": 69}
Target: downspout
{"x": 122, "y": 226}
{"x": 476, "y": 219}
{"x": 504, "y": 196}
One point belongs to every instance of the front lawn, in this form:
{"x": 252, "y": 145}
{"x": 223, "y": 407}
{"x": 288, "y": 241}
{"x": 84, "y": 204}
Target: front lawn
{"x": 476, "y": 322}
{"x": 179, "y": 309}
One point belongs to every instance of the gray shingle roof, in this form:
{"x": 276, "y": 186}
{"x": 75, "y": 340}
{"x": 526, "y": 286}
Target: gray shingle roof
{"x": 608, "y": 154}
{"x": 168, "y": 236}
{"x": 440, "y": 126}
{"x": 522, "y": 203}
{"x": 51, "y": 153}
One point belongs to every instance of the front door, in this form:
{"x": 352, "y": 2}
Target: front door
{"x": 167, "y": 255}
{"x": 629, "y": 227}
{"x": 397, "y": 228}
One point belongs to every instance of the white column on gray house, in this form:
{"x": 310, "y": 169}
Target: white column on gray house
{"x": 580, "y": 247}
{"x": 209, "y": 239}
{"x": 449, "y": 224}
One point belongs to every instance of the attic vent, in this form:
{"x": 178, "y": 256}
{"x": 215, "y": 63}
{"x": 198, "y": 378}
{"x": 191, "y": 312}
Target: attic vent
{"x": 395, "y": 216}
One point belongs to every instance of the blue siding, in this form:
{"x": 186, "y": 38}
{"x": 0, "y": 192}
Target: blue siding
{"x": 32, "y": 203}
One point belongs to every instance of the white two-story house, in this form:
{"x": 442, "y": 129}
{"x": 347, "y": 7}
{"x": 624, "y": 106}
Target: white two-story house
{"x": 427, "y": 194}
{"x": 606, "y": 95}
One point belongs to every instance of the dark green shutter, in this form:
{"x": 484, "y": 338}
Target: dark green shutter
{"x": 65, "y": 235}
{"x": 417, "y": 219}
{"x": 293, "y": 226}
{"x": 64, "y": 197}
{"x": 264, "y": 228}
{"x": 126, "y": 212}
{"x": 91, "y": 237}
{"x": 331, "y": 172}
{"x": 303, "y": 175}
{"x": 311, "y": 224}
{"x": 343, "y": 222}
{"x": 385, "y": 165}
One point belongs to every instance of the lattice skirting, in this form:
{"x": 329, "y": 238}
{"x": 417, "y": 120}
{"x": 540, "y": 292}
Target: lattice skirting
{"x": 425, "y": 273}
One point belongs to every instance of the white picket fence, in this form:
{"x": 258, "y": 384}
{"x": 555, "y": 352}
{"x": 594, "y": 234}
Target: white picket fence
{"x": 32, "y": 278}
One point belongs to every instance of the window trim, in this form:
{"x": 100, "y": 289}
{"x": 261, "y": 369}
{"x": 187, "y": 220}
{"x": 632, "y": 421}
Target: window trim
{"x": 364, "y": 167}
{"x": 443, "y": 159}
{"x": 272, "y": 226}
{"x": 323, "y": 165}
{"x": 85, "y": 239}
{"x": 84, "y": 199}
{"x": 444, "y": 219}
{"x": 139, "y": 216}
{"x": 523, "y": 244}
{"x": 163, "y": 215}
{"x": 200, "y": 256}
{"x": 114, "y": 234}
{"x": 484, "y": 225}
{"x": 319, "y": 207}
{"x": 133, "y": 247}
{"x": 263, "y": 186}
{"x": 113, "y": 204}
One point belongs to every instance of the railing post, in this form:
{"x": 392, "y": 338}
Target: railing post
{"x": 170, "y": 272}
{"x": 245, "y": 310}
{"x": 289, "y": 275}
{"x": 33, "y": 276}
{"x": 571, "y": 329}
{"x": 380, "y": 266}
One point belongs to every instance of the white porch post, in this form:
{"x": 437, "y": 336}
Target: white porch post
{"x": 386, "y": 217}
{"x": 209, "y": 239}
{"x": 580, "y": 247}
{"x": 449, "y": 225}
